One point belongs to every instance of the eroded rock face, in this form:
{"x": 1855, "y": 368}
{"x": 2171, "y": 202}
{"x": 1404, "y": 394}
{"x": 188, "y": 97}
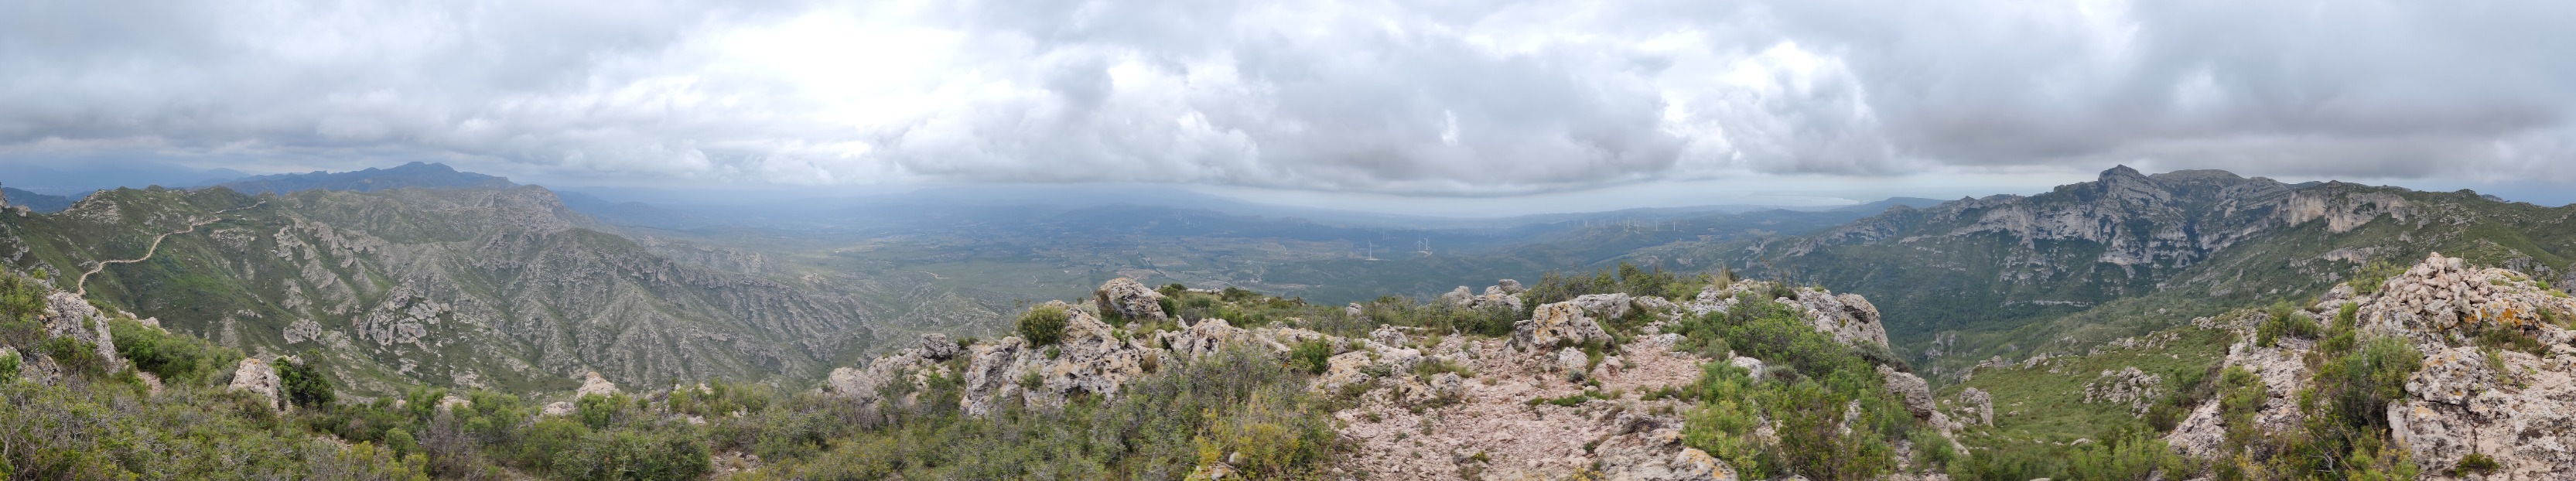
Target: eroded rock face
{"x": 257, "y": 377}
{"x": 1132, "y": 300}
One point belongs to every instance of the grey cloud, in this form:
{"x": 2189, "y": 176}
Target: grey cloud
{"x": 1451, "y": 98}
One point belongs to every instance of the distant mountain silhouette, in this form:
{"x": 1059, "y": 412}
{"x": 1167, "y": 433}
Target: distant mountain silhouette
{"x": 37, "y": 202}
{"x": 416, "y": 174}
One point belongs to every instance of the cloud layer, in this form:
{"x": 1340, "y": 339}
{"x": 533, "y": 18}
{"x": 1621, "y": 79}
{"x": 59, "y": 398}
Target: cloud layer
{"x": 1434, "y": 97}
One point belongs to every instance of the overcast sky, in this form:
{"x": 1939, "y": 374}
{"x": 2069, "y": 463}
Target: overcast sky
{"x": 1351, "y": 102}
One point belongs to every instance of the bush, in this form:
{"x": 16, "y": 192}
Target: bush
{"x": 1043, "y": 325}
{"x": 2476, "y": 463}
{"x": 305, "y": 384}
{"x": 76, "y": 355}
{"x": 174, "y": 358}
{"x": 8, "y": 366}
{"x": 2283, "y": 320}
{"x": 1313, "y": 356}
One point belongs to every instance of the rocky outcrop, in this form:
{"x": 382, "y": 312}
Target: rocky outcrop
{"x": 1132, "y": 300}
{"x": 2137, "y": 389}
{"x": 1658, "y": 456}
{"x": 1570, "y": 322}
{"x": 594, "y": 385}
{"x": 1911, "y": 390}
{"x": 1849, "y": 317}
{"x": 2518, "y": 407}
{"x": 257, "y": 377}
{"x": 1495, "y": 297}
{"x": 68, "y": 315}
{"x": 915, "y": 364}
{"x": 1976, "y": 407}
{"x": 2441, "y": 297}
{"x": 1088, "y": 358}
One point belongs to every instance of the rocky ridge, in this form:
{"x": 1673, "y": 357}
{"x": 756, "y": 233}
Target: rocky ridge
{"x": 1477, "y": 418}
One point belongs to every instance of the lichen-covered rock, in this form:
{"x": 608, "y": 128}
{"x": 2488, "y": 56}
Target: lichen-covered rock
{"x": 257, "y": 377}
{"x": 1912, "y": 390}
{"x": 1564, "y": 323}
{"x": 1509, "y": 286}
{"x": 1132, "y": 300}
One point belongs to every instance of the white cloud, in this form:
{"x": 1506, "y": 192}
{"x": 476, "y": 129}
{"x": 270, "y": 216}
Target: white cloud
{"x": 1440, "y": 98}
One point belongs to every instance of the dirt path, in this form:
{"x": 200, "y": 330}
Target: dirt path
{"x": 81, "y": 287}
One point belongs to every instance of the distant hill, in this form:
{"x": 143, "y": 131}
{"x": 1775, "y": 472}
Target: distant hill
{"x": 37, "y": 202}
{"x": 416, "y": 174}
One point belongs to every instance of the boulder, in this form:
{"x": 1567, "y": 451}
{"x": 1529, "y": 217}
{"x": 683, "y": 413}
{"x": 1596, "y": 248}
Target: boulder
{"x": 1509, "y": 286}
{"x": 1910, "y": 389}
{"x": 937, "y": 347}
{"x": 1752, "y": 367}
{"x": 1132, "y": 300}
{"x": 1459, "y": 297}
{"x": 1556, "y": 324}
{"x": 1570, "y": 361}
{"x": 258, "y": 377}
{"x": 1092, "y": 359}
{"x": 1850, "y": 318}
{"x": 558, "y": 408}
{"x": 1979, "y": 407}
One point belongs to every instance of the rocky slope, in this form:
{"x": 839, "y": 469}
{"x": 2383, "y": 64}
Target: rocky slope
{"x": 2516, "y": 406}
{"x": 500, "y": 288}
{"x": 2013, "y": 275}
{"x": 1420, "y": 404}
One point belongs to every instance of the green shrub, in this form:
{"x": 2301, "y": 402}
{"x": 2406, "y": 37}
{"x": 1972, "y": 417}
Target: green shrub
{"x": 174, "y": 358}
{"x": 1313, "y": 356}
{"x": 2476, "y": 463}
{"x": 1043, "y": 325}
{"x": 76, "y": 355}
{"x": 2283, "y": 320}
{"x": 305, "y": 384}
{"x": 8, "y": 366}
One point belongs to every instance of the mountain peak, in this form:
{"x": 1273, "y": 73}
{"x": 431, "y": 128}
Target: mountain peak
{"x": 2120, "y": 171}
